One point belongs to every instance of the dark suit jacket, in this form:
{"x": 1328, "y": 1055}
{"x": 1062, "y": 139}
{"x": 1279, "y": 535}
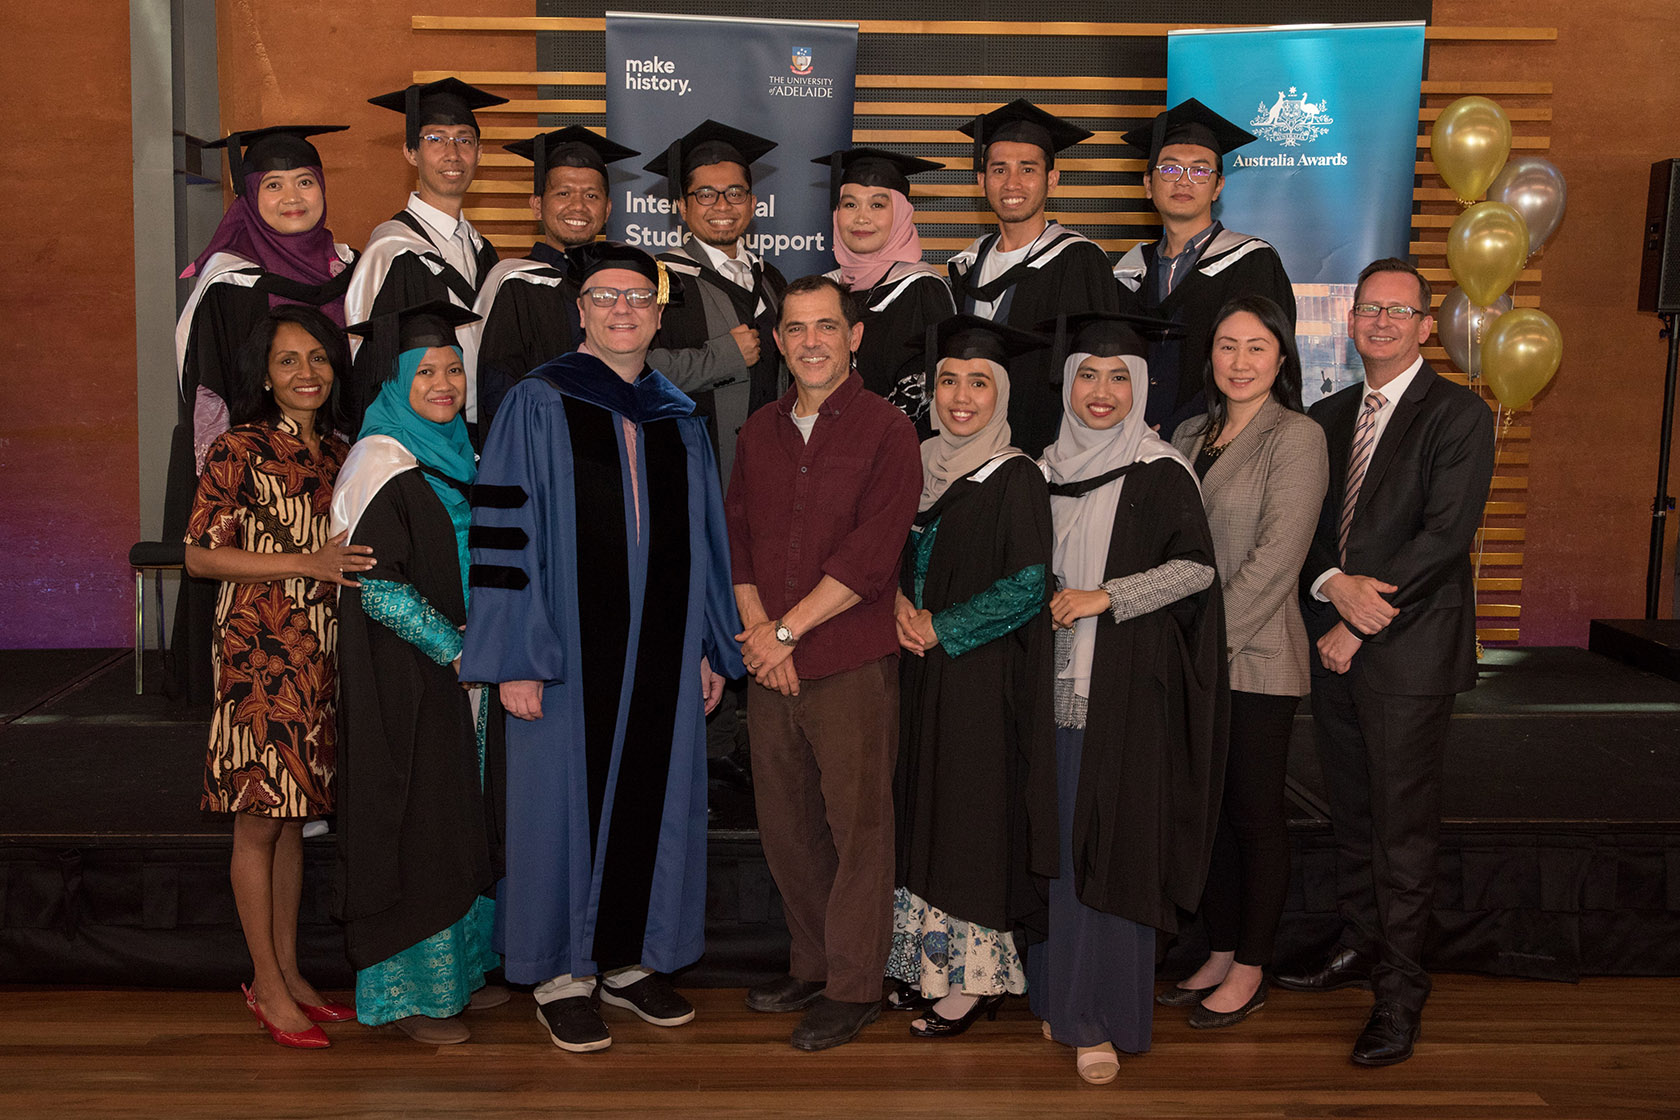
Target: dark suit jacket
{"x": 1418, "y": 511}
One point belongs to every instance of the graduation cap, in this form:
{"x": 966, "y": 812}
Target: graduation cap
{"x": 1025, "y": 123}
{"x": 586, "y": 260}
{"x": 283, "y": 147}
{"x": 707, "y": 143}
{"x": 420, "y": 327}
{"x": 871, "y": 167}
{"x": 964, "y": 337}
{"x": 1189, "y": 122}
{"x": 1105, "y": 334}
{"x": 448, "y": 101}
{"x": 572, "y": 146}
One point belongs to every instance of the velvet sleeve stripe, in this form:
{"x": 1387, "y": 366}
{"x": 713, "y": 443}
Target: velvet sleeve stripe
{"x": 499, "y": 576}
{"x": 506, "y": 538}
{"x": 488, "y": 496}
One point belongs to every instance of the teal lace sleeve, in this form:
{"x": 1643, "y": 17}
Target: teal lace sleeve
{"x": 1005, "y": 606}
{"x": 405, "y": 612}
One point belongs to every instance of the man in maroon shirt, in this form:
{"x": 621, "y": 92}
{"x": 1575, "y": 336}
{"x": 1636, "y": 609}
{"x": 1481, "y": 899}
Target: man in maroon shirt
{"x": 823, "y": 490}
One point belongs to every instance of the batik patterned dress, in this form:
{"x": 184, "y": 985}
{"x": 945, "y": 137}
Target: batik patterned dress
{"x": 273, "y": 731}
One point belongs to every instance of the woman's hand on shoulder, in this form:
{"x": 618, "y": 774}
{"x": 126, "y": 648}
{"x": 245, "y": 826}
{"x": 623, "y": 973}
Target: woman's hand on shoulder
{"x": 1070, "y": 604}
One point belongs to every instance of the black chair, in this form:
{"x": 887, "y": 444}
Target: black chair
{"x": 155, "y": 557}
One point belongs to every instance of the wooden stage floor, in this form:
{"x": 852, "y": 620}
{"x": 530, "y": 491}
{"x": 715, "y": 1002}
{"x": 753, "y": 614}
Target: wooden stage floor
{"x": 1490, "y": 1048}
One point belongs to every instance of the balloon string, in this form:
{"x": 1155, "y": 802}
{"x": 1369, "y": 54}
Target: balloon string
{"x": 1502, "y": 418}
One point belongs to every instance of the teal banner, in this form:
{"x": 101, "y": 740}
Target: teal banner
{"x": 1329, "y": 180}
{"x": 791, "y": 82}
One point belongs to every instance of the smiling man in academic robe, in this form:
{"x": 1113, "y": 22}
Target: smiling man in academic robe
{"x": 528, "y": 305}
{"x": 428, "y": 250}
{"x": 1197, "y": 266}
{"x": 602, "y": 607}
{"x": 1031, "y": 269}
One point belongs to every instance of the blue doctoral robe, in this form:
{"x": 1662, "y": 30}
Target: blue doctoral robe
{"x": 606, "y": 793}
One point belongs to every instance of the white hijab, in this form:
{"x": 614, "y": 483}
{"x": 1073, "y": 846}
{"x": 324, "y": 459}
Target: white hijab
{"x": 1084, "y": 526}
{"x": 946, "y": 458}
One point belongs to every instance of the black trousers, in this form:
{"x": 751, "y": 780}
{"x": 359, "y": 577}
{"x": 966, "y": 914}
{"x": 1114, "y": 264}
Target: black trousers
{"x": 1382, "y": 757}
{"x": 1248, "y": 876}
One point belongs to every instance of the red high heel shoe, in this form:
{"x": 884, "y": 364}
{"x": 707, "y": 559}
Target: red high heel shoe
{"x": 312, "y": 1039}
{"x": 328, "y": 1012}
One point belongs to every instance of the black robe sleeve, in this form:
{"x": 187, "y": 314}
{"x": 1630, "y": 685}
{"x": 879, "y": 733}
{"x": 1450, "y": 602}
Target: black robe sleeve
{"x": 890, "y": 357}
{"x": 1157, "y": 722}
{"x": 413, "y": 825}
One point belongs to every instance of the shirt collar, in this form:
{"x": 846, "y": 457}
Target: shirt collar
{"x": 1192, "y": 248}
{"x": 441, "y": 223}
{"x": 716, "y": 259}
{"x": 1393, "y": 390}
{"x": 835, "y": 403}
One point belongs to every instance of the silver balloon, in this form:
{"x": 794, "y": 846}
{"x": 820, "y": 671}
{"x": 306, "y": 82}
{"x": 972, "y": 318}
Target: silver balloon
{"x": 1461, "y": 326}
{"x": 1534, "y": 188}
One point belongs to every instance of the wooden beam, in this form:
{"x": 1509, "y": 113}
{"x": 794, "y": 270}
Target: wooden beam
{"x": 532, "y": 24}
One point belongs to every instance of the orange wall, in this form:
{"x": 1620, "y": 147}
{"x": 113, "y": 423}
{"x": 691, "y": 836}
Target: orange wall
{"x": 68, "y": 435}
{"x": 1615, "y": 71}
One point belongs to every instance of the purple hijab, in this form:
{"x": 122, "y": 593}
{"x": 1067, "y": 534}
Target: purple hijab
{"x": 308, "y": 257}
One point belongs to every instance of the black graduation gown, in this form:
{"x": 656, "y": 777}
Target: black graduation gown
{"x": 976, "y": 732}
{"x": 1079, "y": 278}
{"x": 890, "y": 358}
{"x": 1153, "y": 765}
{"x": 1177, "y": 366}
{"x": 527, "y": 325}
{"x": 224, "y": 318}
{"x": 414, "y": 821}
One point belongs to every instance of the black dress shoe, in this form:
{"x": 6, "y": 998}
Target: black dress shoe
{"x": 1203, "y": 1019}
{"x": 784, "y": 994}
{"x": 935, "y": 1025}
{"x": 830, "y": 1022}
{"x": 1176, "y": 996}
{"x": 1388, "y": 1037}
{"x": 1344, "y": 968}
{"x": 652, "y": 998}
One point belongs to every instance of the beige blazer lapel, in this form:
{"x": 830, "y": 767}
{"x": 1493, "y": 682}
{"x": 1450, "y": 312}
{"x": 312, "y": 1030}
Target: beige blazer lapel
{"x": 1234, "y": 458}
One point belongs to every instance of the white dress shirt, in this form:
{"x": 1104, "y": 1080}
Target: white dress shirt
{"x": 1392, "y": 391}
{"x": 456, "y": 239}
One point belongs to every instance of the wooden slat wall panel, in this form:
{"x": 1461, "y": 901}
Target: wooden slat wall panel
{"x": 1106, "y": 203}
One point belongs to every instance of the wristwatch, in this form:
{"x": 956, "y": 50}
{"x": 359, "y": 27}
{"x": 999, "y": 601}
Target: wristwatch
{"x": 784, "y": 635}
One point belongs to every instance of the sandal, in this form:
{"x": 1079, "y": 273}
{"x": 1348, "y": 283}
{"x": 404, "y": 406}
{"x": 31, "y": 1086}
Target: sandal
{"x": 1098, "y": 1065}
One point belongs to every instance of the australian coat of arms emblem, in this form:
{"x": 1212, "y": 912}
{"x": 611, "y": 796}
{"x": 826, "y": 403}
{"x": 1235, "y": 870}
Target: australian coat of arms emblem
{"x": 1291, "y": 120}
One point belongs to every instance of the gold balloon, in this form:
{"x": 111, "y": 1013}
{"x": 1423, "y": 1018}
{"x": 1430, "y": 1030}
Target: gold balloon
{"x": 1486, "y": 249}
{"x": 1469, "y": 143}
{"x": 1520, "y": 353}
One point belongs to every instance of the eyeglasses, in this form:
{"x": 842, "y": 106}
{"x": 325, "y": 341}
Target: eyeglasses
{"x": 462, "y": 143}
{"x": 708, "y": 196}
{"x": 1399, "y": 312}
{"x": 1173, "y": 172}
{"x": 635, "y": 297}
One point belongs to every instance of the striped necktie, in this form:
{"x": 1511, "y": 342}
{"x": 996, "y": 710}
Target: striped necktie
{"x": 1364, "y": 440}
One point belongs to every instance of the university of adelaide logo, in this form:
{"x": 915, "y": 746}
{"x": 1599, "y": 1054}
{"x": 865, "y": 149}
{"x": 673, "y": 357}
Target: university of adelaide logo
{"x": 801, "y": 60}
{"x": 1291, "y": 120}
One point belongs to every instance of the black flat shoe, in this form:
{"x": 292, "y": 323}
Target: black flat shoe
{"x": 935, "y": 1025}
{"x": 1203, "y": 1019}
{"x": 1184, "y": 997}
{"x": 902, "y": 997}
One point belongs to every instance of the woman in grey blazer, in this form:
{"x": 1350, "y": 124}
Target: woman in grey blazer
{"x": 1264, "y": 470}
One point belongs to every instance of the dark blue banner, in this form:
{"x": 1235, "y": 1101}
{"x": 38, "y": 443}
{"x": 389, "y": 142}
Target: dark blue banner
{"x": 1329, "y": 180}
{"x": 787, "y": 81}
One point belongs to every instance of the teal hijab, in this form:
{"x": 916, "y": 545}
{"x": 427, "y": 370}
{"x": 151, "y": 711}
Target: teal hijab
{"x": 441, "y": 448}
